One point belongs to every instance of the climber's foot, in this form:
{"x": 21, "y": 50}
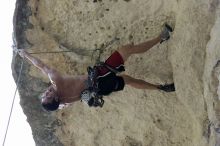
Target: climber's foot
{"x": 167, "y": 87}
{"x": 165, "y": 34}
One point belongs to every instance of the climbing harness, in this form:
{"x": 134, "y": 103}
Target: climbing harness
{"x": 91, "y": 95}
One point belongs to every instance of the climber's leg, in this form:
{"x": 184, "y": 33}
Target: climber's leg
{"x": 127, "y": 50}
{"x": 139, "y": 84}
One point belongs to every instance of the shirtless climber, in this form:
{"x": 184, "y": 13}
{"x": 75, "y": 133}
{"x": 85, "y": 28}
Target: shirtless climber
{"x": 68, "y": 89}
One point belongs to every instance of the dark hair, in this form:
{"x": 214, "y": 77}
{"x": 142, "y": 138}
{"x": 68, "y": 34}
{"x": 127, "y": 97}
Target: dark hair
{"x": 52, "y": 106}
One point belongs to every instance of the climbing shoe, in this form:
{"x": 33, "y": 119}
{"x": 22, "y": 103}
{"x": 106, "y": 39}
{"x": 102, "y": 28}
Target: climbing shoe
{"x": 167, "y": 87}
{"x": 165, "y": 34}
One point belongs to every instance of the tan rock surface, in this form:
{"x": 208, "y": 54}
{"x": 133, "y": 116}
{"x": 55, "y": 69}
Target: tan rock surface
{"x": 188, "y": 117}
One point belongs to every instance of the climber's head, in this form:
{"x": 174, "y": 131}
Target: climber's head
{"x": 50, "y": 100}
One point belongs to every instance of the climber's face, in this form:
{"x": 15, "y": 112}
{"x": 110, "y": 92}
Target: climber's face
{"x": 49, "y": 95}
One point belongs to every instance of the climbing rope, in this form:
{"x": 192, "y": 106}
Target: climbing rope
{"x": 66, "y": 51}
{"x": 49, "y": 52}
{"x": 102, "y": 48}
{"x": 12, "y": 105}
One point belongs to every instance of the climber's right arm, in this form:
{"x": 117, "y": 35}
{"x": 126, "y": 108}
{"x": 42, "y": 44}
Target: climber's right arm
{"x": 53, "y": 75}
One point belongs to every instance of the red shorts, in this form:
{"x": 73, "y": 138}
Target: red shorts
{"x": 115, "y": 61}
{"x": 108, "y": 81}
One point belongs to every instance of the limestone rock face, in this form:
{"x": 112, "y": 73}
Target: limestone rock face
{"x": 188, "y": 117}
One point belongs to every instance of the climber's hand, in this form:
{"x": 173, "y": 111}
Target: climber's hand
{"x": 22, "y": 52}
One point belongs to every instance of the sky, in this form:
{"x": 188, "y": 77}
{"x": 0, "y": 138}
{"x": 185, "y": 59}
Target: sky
{"x": 19, "y": 132}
